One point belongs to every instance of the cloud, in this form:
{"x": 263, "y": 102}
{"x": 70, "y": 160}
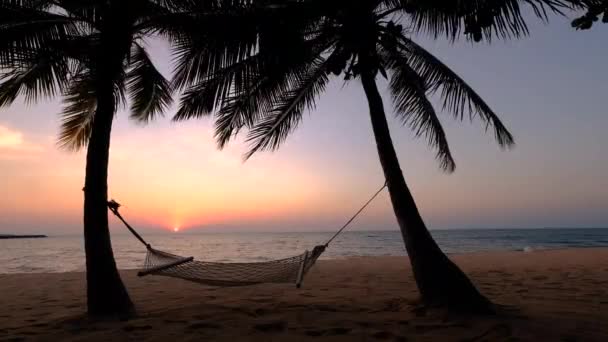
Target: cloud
{"x": 13, "y": 144}
{"x": 10, "y": 138}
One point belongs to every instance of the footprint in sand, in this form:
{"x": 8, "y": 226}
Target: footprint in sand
{"x": 382, "y": 335}
{"x": 262, "y": 300}
{"x": 178, "y": 321}
{"x": 260, "y": 312}
{"x": 203, "y": 325}
{"x": 271, "y": 326}
{"x": 338, "y": 331}
{"x": 313, "y": 333}
{"x": 394, "y": 305}
{"x": 130, "y": 328}
{"x": 329, "y": 332}
{"x": 325, "y": 308}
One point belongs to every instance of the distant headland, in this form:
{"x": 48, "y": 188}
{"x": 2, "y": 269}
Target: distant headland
{"x": 11, "y": 236}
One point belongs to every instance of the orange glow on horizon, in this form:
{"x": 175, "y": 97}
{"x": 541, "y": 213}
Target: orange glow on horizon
{"x": 213, "y": 191}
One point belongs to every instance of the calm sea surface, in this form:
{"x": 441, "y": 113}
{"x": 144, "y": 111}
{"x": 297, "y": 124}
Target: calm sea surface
{"x": 66, "y": 253}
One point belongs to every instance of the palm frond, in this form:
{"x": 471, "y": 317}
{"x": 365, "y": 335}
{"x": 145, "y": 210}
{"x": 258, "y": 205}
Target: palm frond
{"x": 205, "y": 44}
{"x": 261, "y": 97}
{"x": 247, "y": 106}
{"x": 149, "y": 91}
{"x": 481, "y": 19}
{"x": 202, "y": 98}
{"x": 80, "y": 102}
{"x": 244, "y": 91}
{"x": 249, "y": 88}
{"x": 258, "y": 92}
{"x": 30, "y": 29}
{"x": 35, "y": 74}
{"x": 457, "y": 96}
{"x": 409, "y": 92}
{"x": 273, "y": 129}
{"x": 209, "y": 40}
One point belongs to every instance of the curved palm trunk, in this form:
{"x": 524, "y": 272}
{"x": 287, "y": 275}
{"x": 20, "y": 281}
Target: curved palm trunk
{"x": 106, "y": 294}
{"x": 439, "y": 280}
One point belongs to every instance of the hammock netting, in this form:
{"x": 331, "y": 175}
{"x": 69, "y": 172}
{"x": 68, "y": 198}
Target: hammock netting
{"x": 288, "y": 270}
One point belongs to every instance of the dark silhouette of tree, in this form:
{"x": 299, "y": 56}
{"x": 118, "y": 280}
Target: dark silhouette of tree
{"x": 595, "y": 10}
{"x": 274, "y": 64}
{"x": 258, "y": 64}
{"x": 92, "y": 54}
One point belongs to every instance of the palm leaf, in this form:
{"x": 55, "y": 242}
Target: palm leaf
{"x": 273, "y": 129}
{"x": 149, "y": 91}
{"x": 481, "y": 19}
{"x": 207, "y": 43}
{"x": 211, "y": 92}
{"x": 29, "y": 29}
{"x": 260, "y": 91}
{"x": 457, "y": 96}
{"x": 38, "y": 73}
{"x": 78, "y": 114}
{"x": 412, "y": 106}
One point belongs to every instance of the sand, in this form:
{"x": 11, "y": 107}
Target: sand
{"x": 552, "y": 296}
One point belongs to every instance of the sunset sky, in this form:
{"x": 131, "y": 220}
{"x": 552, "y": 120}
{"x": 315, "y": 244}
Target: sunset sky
{"x": 550, "y": 89}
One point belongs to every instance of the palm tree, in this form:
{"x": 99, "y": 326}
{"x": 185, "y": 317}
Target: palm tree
{"x": 595, "y": 9}
{"x": 264, "y": 82}
{"x": 91, "y": 53}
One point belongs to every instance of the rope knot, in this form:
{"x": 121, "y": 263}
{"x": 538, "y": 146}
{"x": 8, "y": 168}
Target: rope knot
{"x": 113, "y": 205}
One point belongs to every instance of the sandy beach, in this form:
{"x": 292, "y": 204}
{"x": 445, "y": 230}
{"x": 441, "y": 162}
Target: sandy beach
{"x": 557, "y": 295}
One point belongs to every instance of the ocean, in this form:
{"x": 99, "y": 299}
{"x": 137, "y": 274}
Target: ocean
{"x": 66, "y": 253}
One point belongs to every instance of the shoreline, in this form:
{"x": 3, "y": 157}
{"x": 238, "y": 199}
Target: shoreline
{"x": 557, "y": 294}
{"x": 456, "y": 255}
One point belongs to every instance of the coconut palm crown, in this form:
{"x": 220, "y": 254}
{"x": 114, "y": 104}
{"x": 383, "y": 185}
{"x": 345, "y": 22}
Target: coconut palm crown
{"x": 270, "y": 73}
{"x": 92, "y": 54}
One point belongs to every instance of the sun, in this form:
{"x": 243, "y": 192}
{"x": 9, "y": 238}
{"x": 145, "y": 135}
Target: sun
{"x": 175, "y": 229}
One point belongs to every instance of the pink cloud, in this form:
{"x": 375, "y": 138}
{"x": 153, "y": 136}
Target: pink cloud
{"x": 13, "y": 144}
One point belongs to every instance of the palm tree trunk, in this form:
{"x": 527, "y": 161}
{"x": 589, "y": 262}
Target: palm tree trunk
{"x": 439, "y": 280}
{"x": 106, "y": 294}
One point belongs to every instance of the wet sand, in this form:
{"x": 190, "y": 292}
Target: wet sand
{"x": 557, "y": 295}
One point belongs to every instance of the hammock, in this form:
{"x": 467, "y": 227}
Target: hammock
{"x": 288, "y": 270}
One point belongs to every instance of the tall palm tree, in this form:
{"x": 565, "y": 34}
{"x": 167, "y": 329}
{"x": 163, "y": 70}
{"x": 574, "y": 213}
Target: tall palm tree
{"x": 263, "y": 83}
{"x": 92, "y": 54}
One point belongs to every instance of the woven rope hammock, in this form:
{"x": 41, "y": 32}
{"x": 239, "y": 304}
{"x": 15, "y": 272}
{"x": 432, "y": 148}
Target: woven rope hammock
{"x": 288, "y": 270}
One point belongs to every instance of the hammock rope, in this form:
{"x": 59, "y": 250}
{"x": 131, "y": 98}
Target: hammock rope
{"x": 287, "y": 270}
{"x": 356, "y": 214}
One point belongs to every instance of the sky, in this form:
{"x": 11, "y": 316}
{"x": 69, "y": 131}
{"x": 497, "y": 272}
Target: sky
{"x": 549, "y": 89}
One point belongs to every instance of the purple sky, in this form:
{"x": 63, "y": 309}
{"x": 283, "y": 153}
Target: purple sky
{"x": 550, "y": 89}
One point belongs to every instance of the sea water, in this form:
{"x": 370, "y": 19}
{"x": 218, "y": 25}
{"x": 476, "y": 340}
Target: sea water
{"x": 66, "y": 253}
